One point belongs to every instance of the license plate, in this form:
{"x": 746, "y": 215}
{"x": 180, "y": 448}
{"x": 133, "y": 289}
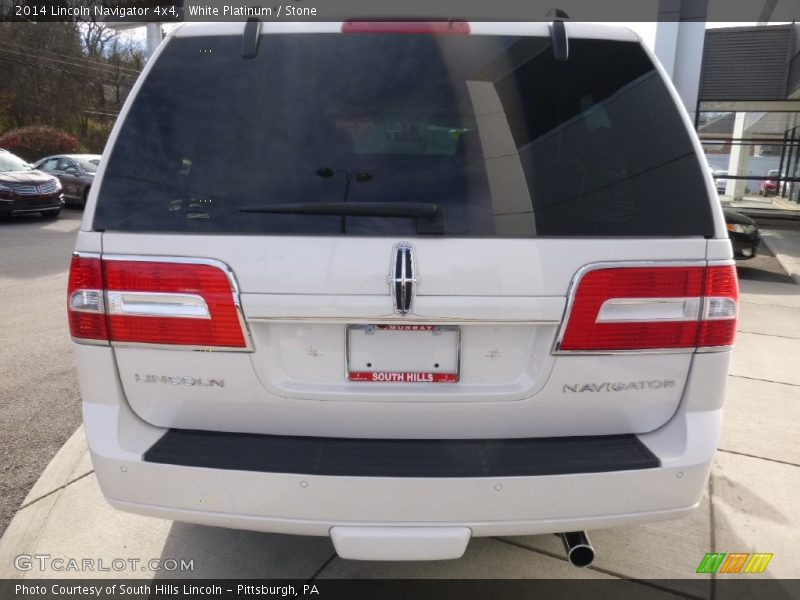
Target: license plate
{"x": 403, "y": 353}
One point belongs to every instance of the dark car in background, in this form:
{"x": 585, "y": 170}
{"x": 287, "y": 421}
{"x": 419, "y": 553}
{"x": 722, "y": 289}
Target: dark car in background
{"x": 744, "y": 234}
{"x": 75, "y": 171}
{"x": 23, "y": 189}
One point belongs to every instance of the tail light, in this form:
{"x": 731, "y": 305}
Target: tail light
{"x": 721, "y": 299}
{"x": 171, "y": 303}
{"x": 646, "y": 308}
{"x": 85, "y": 305}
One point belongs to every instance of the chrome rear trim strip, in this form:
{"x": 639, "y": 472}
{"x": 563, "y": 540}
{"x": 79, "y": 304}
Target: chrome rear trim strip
{"x": 156, "y": 304}
{"x": 641, "y": 310}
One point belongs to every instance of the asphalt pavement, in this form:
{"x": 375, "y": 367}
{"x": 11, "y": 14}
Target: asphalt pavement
{"x": 39, "y": 400}
{"x": 764, "y": 267}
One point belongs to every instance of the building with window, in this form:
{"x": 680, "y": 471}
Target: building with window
{"x": 748, "y": 113}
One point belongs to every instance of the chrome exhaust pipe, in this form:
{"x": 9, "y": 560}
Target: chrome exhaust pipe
{"x": 578, "y": 548}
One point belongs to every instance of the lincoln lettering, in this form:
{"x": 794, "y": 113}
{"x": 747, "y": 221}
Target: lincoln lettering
{"x": 179, "y": 380}
{"x": 618, "y": 386}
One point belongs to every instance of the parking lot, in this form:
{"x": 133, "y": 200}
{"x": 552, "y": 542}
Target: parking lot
{"x": 750, "y": 504}
{"x": 38, "y": 388}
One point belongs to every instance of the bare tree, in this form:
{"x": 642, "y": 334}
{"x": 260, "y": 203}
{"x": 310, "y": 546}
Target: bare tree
{"x": 124, "y": 56}
{"x": 73, "y": 76}
{"x": 41, "y": 71}
{"x": 96, "y": 37}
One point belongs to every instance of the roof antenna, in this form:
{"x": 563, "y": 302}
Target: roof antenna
{"x": 250, "y": 37}
{"x": 558, "y": 34}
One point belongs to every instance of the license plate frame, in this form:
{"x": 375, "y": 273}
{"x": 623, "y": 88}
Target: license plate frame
{"x": 368, "y": 374}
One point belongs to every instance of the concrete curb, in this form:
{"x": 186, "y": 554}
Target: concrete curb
{"x": 71, "y": 462}
{"x": 779, "y": 247}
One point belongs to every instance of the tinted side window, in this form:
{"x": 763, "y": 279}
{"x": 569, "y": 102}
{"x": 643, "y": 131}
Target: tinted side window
{"x": 504, "y": 139}
{"x": 50, "y": 164}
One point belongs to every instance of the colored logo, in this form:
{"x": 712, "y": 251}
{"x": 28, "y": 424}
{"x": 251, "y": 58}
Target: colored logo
{"x": 735, "y": 562}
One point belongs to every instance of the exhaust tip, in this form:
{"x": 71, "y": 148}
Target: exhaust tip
{"x": 581, "y": 556}
{"x": 580, "y": 552}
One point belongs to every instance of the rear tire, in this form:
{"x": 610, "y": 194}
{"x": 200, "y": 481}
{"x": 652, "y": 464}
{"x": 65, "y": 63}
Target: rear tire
{"x": 85, "y": 197}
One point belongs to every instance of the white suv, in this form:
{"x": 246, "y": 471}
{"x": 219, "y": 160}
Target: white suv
{"x": 402, "y": 284}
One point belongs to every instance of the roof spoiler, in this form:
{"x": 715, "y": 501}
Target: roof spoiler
{"x": 558, "y": 34}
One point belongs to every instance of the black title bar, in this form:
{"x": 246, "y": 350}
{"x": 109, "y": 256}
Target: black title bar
{"x": 735, "y": 11}
{"x": 697, "y": 588}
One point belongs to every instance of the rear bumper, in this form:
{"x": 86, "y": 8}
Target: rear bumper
{"x": 313, "y": 504}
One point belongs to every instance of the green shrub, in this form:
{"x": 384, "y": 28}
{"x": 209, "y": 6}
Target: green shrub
{"x": 36, "y": 141}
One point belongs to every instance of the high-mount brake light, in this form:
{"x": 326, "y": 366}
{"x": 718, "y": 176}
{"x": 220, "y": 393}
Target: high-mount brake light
{"x": 652, "y": 307}
{"x": 169, "y": 303}
{"x": 431, "y": 27}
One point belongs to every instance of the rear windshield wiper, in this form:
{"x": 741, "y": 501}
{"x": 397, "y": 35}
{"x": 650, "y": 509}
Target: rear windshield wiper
{"x": 428, "y": 216}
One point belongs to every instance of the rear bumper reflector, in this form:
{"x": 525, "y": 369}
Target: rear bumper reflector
{"x": 401, "y": 458}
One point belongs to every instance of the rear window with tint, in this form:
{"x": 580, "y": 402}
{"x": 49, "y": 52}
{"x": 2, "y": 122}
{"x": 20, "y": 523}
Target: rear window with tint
{"x": 494, "y": 133}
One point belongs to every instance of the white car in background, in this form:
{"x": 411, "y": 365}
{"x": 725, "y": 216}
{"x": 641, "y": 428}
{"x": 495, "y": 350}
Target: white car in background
{"x": 402, "y": 284}
{"x": 721, "y": 180}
